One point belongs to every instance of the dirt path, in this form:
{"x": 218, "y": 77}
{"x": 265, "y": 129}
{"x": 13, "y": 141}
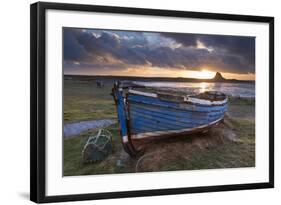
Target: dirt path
{"x": 76, "y": 128}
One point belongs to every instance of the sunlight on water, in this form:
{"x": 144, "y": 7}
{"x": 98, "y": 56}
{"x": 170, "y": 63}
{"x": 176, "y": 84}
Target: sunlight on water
{"x": 203, "y": 87}
{"x": 231, "y": 89}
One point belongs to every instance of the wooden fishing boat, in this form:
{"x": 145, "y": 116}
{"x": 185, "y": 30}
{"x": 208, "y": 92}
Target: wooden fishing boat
{"x": 144, "y": 114}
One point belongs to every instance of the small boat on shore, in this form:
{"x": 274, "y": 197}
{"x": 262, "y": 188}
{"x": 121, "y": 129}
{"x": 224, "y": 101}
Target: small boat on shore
{"x": 145, "y": 113}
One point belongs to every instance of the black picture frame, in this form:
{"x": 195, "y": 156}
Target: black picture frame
{"x": 38, "y": 101}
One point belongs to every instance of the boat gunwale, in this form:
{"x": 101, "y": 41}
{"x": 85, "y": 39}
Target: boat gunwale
{"x": 187, "y": 99}
{"x": 178, "y": 108}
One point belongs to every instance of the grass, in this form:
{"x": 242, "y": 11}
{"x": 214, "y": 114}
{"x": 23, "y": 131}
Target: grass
{"x": 207, "y": 151}
{"x": 73, "y": 152}
{"x": 202, "y": 151}
{"x": 83, "y": 101}
{"x": 224, "y": 154}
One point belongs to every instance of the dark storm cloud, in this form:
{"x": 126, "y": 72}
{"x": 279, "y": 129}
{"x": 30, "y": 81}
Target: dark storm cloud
{"x": 119, "y": 50}
{"x": 185, "y": 39}
{"x": 235, "y": 51}
{"x": 106, "y": 48}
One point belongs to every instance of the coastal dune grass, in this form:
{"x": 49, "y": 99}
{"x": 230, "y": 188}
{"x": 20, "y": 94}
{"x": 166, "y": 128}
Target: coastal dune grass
{"x": 211, "y": 150}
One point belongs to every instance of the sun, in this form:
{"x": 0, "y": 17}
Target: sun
{"x": 203, "y": 74}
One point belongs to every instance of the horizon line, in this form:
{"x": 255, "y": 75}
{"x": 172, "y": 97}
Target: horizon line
{"x": 227, "y": 79}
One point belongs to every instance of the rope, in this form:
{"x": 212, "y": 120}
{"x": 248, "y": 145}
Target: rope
{"x": 141, "y": 158}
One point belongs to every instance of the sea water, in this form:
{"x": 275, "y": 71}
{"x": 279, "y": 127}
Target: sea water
{"x": 243, "y": 90}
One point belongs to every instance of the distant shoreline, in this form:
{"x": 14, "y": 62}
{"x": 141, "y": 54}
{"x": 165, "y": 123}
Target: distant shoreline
{"x": 158, "y": 79}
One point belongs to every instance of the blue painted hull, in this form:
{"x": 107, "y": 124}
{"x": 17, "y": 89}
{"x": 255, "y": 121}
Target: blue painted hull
{"x": 149, "y": 114}
{"x": 143, "y": 116}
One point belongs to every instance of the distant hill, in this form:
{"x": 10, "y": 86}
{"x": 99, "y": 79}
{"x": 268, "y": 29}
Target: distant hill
{"x": 217, "y": 78}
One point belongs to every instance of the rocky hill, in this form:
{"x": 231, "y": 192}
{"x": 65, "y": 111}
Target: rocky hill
{"x": 218, "y": 77}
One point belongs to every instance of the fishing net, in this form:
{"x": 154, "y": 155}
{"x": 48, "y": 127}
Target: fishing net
{"x": 98, "y": 147}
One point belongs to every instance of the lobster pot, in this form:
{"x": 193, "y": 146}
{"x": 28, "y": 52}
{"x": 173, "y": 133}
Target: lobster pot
{"x": 98, "y": 147}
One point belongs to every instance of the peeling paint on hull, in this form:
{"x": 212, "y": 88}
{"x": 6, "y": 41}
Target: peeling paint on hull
{"x": 143, "y": 115}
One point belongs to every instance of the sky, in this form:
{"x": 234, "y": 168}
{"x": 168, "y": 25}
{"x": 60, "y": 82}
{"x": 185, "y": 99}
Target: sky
{"x": 157, "y": 54}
